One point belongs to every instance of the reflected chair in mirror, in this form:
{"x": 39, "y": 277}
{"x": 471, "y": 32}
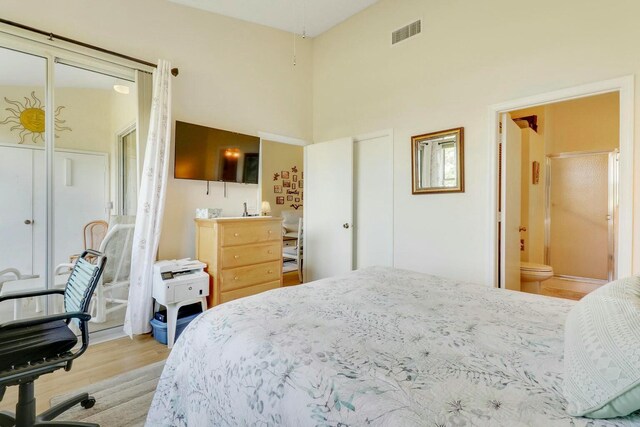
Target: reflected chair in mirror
{"x": 17, "y": 283}
{"x": 295, "y": 253}
{"x": 38, "y": 346}
{"x": 112, "y": 291}
{"x": 11, "y": 275}
{"x": 94, "y": 234}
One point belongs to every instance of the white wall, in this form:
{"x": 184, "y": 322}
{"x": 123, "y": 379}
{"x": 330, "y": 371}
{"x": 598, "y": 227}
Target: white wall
{"x": 470, "y": 55}
{"x": 233, "y": 75}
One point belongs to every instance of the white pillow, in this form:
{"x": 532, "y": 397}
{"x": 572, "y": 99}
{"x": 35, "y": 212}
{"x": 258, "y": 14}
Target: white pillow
{"x": 602, "y": 352}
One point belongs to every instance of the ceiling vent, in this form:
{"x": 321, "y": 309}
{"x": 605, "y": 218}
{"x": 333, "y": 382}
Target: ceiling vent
{"x": 404, "y": 33}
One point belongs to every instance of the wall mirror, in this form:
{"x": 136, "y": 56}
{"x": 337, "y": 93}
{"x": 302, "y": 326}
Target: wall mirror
{"x": 438, "y": 162}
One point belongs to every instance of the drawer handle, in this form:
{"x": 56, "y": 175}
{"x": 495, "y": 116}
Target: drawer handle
{"x": 269, "y": 271}
{"x": 236, "y": 234}
{"x": 269, "y": 251}
{"x": 236, "y": 256}
{"x": 270, "y": 231}
{"x": 236, "y": 278}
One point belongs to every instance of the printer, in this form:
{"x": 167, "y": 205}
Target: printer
{"x": 179, "y": 280}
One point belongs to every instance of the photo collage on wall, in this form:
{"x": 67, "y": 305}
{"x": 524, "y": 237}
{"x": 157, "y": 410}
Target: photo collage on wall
{"x": 288, "y": 187}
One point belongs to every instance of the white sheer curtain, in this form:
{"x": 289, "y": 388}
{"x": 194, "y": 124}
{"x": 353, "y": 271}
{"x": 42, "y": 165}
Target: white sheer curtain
{"x": 153, "y": 186}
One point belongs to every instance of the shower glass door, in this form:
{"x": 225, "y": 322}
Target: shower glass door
{"x": 580, "y": 215}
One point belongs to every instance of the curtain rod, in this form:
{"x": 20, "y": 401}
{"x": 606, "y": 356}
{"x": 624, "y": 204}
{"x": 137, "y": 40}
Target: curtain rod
{"x": 52, "y": 36}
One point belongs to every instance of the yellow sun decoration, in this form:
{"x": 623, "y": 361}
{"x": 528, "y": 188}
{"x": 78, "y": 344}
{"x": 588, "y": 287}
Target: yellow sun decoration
{"x": 29, "y": 118}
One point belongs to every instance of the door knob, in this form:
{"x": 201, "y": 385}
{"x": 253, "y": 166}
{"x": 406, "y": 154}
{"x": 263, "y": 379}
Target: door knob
{"x": 345, "y": 225}
{"x": 28, "y": 221}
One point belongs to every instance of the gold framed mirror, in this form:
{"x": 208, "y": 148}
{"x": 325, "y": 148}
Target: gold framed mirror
{"x": 437, "y": 161}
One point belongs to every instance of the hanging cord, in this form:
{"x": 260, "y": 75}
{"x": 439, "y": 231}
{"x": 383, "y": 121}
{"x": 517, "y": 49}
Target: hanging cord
{"x": 304, "y": 19}
{"x": 295, "y": 60}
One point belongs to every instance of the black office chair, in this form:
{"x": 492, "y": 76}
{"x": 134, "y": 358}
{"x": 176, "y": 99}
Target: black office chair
{"x": 33, "y": 347}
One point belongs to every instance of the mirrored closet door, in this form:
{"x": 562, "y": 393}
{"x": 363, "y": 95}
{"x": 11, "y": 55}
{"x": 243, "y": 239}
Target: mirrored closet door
{"x": 68, "y": 179}
{"x": 22, "y": 163}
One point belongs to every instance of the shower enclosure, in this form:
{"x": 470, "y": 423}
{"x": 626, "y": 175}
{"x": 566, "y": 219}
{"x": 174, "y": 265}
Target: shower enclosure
{"x": 581, "y": 215}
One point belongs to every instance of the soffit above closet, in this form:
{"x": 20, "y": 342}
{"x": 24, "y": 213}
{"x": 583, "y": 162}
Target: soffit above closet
{"x": 315, "y": 16}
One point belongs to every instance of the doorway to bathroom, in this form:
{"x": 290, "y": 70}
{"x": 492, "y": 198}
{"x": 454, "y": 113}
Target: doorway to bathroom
{"x": 559, "y": 196}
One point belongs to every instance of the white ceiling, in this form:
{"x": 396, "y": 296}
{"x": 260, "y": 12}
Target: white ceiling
{"x": 287, "y": 15}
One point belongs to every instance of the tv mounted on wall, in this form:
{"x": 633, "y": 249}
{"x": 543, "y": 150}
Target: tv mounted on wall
{"x": 209, "y": 154}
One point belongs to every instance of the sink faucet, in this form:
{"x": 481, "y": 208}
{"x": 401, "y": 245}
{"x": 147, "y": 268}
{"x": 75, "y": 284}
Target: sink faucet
{"x": 245, "y": 213}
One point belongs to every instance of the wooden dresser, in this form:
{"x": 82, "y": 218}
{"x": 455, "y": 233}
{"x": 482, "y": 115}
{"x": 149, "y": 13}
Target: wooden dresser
{"x": 244, "y": 255}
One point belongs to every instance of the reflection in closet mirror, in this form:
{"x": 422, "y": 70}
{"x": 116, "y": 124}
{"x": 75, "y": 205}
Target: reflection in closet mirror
{"x": 438, "y": 162}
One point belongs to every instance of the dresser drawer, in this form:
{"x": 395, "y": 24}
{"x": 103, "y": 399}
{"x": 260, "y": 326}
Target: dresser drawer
{"x": 245, "y": 292}
{"x": 243, "y": 234}
{"x": 241, "y": 277}
{"x": 237, "y": 256}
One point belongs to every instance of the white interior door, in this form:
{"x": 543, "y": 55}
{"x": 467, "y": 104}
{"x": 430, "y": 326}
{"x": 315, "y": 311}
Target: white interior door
{"x": 328, "y": 210}
{"x": 511, "y": 205}
{"x": 373, "y": 228}
{"x": 16, "y": 209}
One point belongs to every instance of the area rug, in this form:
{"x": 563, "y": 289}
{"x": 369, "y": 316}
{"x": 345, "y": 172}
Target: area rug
{"x": 120, "y": 401}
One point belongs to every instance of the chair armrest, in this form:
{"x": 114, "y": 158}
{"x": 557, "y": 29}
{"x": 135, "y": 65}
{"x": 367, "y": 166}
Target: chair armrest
{"x": 66, "y": 265}
{"x": 4, "y": 275}
{"x": 32, "y": 294}
{"x": 16, "y": 324}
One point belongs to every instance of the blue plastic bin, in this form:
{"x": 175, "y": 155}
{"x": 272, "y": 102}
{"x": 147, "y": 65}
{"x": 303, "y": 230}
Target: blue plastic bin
{"x": 160, "y": 328}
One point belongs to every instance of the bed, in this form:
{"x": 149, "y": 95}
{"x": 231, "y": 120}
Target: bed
{"x": 379, "y": 346}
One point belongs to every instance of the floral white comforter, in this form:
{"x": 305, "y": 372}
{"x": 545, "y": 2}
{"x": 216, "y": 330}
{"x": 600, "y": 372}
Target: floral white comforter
{"x": 377, "y": 347}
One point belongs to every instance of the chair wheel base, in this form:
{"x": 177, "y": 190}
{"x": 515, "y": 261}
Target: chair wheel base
{"x": 88, "y": 403}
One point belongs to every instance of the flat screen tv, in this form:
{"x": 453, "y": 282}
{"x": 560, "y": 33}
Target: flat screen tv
{"x": 209, "y": 154}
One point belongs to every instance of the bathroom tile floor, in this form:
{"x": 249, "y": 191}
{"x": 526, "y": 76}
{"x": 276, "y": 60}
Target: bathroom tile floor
{"x": 568, "y": 289}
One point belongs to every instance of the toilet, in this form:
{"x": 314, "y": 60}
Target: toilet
{"x": 531, "y": 275}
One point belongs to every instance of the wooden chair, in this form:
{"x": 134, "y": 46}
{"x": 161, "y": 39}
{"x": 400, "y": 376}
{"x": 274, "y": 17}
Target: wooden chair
{"x": 94, "y": 233}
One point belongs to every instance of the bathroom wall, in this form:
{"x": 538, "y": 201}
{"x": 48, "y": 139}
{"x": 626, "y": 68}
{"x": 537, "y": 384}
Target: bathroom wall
{"x": 585, "y": 124}
{"x": 537, "y": 194}
{"x": 532, "y": 196}
{"x": 525, "y": 169}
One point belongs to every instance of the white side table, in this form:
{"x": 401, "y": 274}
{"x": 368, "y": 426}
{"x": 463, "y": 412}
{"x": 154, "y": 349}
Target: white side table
{"x": 172, "y": 316}
{"x": 179, "y": 291}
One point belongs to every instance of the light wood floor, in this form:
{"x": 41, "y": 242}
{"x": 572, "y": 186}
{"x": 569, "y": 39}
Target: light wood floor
{"x": 568, "y": 289}
{"x": 290, "y": 279}
{"x": 100, "y": 362}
